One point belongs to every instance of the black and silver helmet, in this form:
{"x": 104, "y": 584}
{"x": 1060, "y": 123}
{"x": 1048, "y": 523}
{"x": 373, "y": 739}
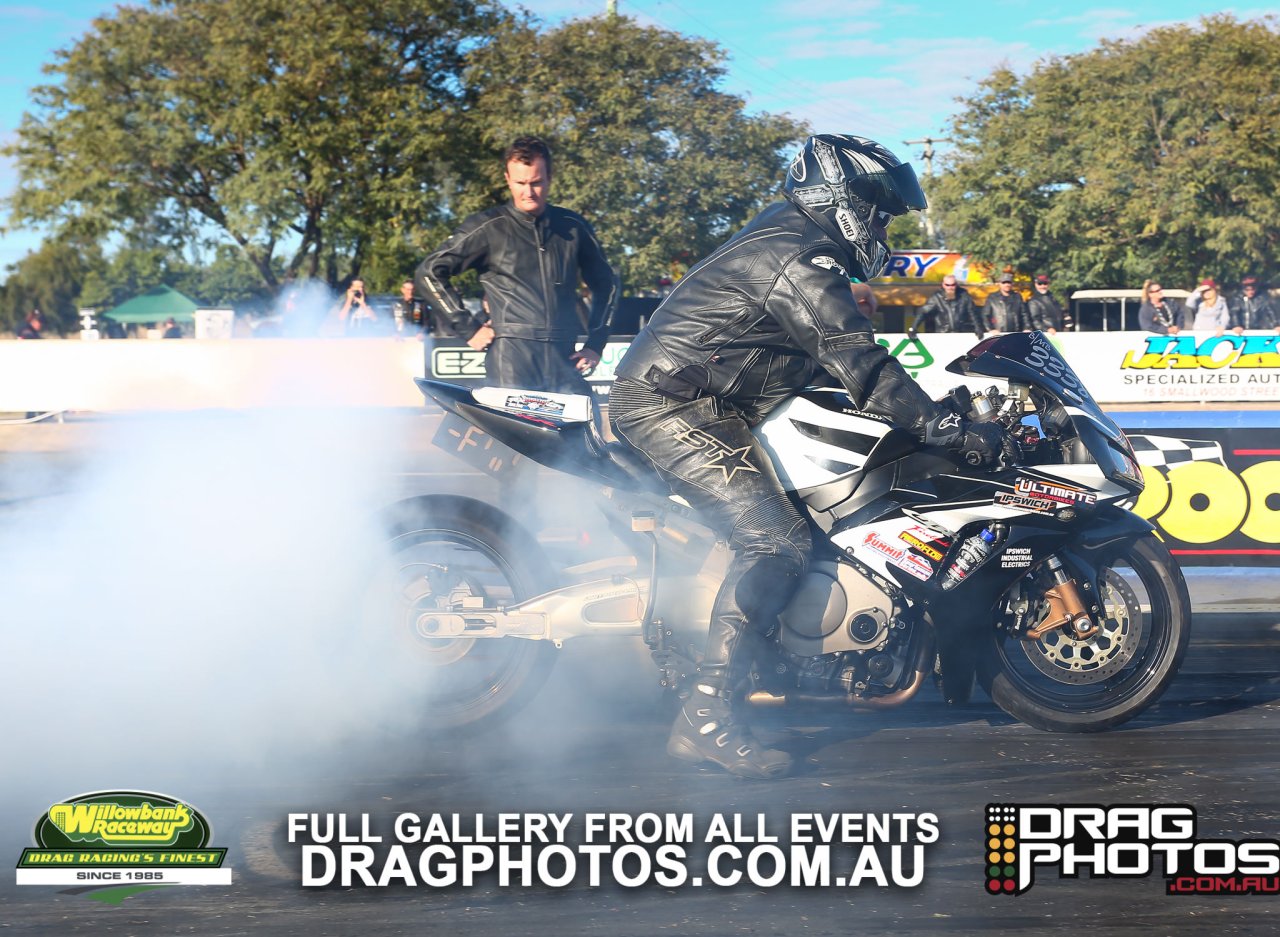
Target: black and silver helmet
{"x": 855, "y": 186}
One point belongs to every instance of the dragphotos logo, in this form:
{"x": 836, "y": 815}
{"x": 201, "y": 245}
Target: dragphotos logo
{"x": 1125, "y": 841}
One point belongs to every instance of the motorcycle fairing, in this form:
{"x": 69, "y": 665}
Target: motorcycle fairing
{"x": 823, "y": 449}
{"x": 566, "y": 444}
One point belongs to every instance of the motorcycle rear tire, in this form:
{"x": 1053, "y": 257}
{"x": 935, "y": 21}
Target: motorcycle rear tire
{"x": 474, "y": 550}
{"x": 1060, "y": 685}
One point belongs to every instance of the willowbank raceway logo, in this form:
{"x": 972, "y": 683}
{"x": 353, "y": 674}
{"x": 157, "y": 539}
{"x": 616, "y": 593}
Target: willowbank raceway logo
{"x": 128, "y": 840}
{"x": 1126, "y": 841}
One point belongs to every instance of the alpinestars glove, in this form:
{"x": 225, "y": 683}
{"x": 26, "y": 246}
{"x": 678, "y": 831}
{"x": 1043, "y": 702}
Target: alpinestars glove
{"x": 979, "y": 444}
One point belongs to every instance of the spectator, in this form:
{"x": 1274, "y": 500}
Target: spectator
{"x": 951, "y": 309}
{"x": 530, "y": 256}
{"x": 408, "y": 311}
{"x": 1254, "y": 309}
{"x": 1155, "y": 315}
{"x": 33, "y": 325}
{"x": 1209, "y": 307}
{"x": 1006, "y": 312}
{"x": 356, "y": 313}
{"x": 1043, "y": 311}
{"x": 171, "y": 329}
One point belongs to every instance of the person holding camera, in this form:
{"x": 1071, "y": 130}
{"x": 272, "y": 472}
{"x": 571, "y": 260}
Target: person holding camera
{"x": 356, "y": 313}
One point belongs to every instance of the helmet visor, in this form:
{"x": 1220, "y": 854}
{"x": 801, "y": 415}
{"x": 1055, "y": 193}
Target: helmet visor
{"x": 895, "y": 189}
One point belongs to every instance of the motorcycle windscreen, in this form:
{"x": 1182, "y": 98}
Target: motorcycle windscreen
{"x": 1030, "y": 358}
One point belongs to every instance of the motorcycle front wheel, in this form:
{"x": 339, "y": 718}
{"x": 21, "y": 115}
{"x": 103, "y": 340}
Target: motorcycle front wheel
{"x": 1063, "y": 684}
{"x": 447, "y": 554}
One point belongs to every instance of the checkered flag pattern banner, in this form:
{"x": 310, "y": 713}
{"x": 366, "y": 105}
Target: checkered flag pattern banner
{"x": 1165, "y": 452}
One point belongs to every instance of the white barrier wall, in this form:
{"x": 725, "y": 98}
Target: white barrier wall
{"x": 1117, "y": 367}
{"x": 188, "y": 375}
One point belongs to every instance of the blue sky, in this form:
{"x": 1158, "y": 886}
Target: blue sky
{"x": 880, "y": 68}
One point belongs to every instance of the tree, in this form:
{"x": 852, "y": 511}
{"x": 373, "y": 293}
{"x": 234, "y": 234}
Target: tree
{"x": 1156, "y": 156}
{"x": 644, "y": 145}
{"x": 49, "y": 279}
{"x": 309, "y": 125}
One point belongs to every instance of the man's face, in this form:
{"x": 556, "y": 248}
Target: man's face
{"x": 1006, "y": 287}
{"x": 406, "y": 290}
{"x": 529, "y": 185}
{"x": 949, "y": 284}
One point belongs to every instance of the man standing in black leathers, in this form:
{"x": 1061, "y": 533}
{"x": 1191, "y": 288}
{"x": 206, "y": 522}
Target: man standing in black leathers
{"x": 1043, "y": 311}
{"x": 760, "y": 318}
{"x": 1253, "y": 310}
{"x": 1005, "y": 310}
{"x": 530, "y": 256}
{"x": 951, "y": 309}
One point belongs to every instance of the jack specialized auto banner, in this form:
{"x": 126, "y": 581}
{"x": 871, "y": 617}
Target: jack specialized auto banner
{"x": 1117, "y": 367}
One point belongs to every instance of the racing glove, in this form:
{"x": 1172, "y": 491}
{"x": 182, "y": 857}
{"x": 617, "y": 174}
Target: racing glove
{"x": 979, "y": 444}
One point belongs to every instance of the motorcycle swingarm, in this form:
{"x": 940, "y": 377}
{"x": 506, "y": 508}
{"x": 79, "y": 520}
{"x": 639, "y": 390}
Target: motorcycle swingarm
{"x": 613, "y": 606}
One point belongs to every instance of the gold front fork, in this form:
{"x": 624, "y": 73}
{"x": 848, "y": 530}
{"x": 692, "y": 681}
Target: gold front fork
{"x": 1066, "y": 609}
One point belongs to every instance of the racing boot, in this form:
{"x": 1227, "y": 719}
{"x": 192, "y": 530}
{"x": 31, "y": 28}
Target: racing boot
{"x": 706, "y": 731}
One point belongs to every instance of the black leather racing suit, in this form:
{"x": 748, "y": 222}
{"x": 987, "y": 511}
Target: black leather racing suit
{"x": 529, "y": 267}
{"x": 1007, "y": 313}
{"x": 959, "y": 314}
{"x": 1256, "y": 312}
{"x": 759, "y": 319}
{"x": 1043, "y": 311}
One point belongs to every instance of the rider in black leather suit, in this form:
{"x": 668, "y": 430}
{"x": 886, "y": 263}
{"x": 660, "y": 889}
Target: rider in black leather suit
{"x": 763, "y": 316}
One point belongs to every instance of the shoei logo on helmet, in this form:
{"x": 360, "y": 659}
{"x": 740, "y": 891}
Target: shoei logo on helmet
{"x": 849, "y": 227}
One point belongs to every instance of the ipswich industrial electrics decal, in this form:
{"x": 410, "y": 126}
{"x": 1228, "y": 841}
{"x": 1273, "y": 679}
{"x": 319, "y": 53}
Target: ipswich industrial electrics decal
{"x": 1124, "y": 841}
{"x": 131, "y": 840}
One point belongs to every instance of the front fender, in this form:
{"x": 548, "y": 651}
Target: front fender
{"x": 957, "y": 627}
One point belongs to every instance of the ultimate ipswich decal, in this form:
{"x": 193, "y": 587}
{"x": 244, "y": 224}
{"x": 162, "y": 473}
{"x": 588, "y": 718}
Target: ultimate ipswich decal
{"x": 122, "y": 838}
{"x": 1053, "y": 491}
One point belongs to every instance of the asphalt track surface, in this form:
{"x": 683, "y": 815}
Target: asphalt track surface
{"x": 593, "y": 742}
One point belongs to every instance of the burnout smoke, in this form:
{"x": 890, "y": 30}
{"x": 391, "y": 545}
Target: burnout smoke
{"x": 191, "y": 602}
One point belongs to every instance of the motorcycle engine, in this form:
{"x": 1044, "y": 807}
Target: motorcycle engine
{"x": 835, "y": 610}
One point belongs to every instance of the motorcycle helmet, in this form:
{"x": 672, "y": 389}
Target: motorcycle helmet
{"x": 853, "y": 186}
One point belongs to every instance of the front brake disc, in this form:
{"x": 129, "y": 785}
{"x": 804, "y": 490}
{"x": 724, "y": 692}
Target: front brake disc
{"x": 1104, "y": 653}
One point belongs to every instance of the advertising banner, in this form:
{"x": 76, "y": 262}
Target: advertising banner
{"x": 1117, "y": 367}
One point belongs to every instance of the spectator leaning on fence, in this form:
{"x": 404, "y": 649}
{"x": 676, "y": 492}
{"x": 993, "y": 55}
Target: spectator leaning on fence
{"x": 951, "y": 309}
{"x": 1155, "y": 315}
{"x": 1254, "y": 309}
{"x": 1042, "y": 309}
{"x": 1006, "y": 311}
{"x": 1209, "y": 307}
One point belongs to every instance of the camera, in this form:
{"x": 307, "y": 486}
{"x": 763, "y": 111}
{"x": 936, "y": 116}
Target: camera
{"x": 358, "y": 294}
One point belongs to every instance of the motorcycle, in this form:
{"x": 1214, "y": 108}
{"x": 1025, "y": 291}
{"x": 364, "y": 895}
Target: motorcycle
{"x": 1031, "y": 577}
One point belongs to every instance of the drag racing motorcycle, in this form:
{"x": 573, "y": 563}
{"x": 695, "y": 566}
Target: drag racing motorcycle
{"x": 1031, "y": 577}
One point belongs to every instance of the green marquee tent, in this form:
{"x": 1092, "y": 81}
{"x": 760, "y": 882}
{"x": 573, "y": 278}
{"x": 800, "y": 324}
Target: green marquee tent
{"x": 155, "y": 305}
